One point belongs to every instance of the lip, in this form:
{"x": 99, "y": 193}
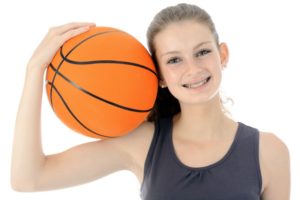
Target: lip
{"x": 201, "y": 87}
{"x": 194, "y": 82}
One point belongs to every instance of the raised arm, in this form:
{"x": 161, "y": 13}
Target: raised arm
{"x": 31, "y": 170}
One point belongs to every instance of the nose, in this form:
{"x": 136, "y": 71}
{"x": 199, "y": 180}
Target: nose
{"x": 193, "y": 67}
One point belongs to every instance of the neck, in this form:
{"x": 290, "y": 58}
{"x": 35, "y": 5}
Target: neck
{"x": 204, "y": 121}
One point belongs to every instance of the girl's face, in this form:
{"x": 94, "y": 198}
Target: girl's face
{"x": 190, "y": 61}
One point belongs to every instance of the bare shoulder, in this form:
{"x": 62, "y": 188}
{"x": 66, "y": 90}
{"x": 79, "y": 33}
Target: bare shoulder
{"x": 275, "y": 166}
{"x": 138, "y": 137}
{"x": 272, "y": 148}
{"x": 144, "y": 130}
{"x": 136, "y": 144}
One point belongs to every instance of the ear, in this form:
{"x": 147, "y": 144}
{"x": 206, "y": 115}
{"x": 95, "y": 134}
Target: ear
{"x": 162, "y": 83}
{"x": 224, "y": 54}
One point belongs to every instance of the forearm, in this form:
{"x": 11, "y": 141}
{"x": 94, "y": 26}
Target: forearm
{"x": 28, "y": 158}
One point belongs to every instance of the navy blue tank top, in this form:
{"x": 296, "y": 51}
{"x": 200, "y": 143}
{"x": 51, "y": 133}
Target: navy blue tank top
{"x": 235, "y": 177}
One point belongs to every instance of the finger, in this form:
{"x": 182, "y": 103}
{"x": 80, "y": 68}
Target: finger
{"x": 67, "y": 27}
{"x": 74, "y": 32}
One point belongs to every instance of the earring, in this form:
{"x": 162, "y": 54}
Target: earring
{"x": 163, "y": 85}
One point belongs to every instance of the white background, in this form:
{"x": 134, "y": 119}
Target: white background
{"x": 262, "y": 75}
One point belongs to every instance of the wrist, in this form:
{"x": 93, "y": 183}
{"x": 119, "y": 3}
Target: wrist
{"x": 33, "y": 68}
{"x": 34, "y": 74}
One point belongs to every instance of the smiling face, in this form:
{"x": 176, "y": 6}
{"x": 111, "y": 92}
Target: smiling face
{"x": 190, "y": 61}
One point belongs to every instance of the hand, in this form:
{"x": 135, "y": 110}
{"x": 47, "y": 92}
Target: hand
{"x": 54, "y": 39}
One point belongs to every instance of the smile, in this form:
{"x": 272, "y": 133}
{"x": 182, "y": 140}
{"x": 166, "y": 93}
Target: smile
{"x": 197, "y": 84}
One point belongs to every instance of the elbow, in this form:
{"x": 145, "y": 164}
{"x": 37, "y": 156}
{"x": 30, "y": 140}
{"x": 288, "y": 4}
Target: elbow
{"x": 22, "y": 186}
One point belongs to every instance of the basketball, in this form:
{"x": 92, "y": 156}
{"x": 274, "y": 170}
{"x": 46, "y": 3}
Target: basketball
{"x": 102, "y": 83}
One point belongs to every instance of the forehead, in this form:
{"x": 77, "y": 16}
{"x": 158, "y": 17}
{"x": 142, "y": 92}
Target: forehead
{"x": 181, "y": 34}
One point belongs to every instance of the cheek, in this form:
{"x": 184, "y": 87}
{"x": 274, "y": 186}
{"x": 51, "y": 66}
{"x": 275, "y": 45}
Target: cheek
{"x": 168, "y": 77}
{"x": 216, "y": 65}
{"x": 218, "y": 74}
{"x": 167, "y": 74}
{"x": 173, "y": 77}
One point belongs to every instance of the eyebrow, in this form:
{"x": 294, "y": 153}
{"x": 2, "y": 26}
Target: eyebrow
{"x": 196, "y": 47}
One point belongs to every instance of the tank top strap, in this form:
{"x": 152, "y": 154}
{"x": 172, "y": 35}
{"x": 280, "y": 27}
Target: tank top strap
{"x": 162, "y": 129}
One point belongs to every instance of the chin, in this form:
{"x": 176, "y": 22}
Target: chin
{"x": 201, "y": 99}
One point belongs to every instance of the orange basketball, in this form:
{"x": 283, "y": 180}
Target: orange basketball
{"x": 102, "y": 83}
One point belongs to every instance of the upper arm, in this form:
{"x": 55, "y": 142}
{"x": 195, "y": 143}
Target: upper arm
{"x": 275, "y": 165}
{"x": 88, "y": 161}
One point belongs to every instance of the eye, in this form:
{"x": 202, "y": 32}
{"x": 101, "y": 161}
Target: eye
{"x": 203, "y": 52}
{"x": 173, "y": 60}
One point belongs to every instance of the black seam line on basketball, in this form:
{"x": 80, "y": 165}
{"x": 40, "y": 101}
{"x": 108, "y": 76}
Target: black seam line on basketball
{"x": 97, "y": 97}
{"x": 106, "y": 62}
{"x": 63, "y": 59}
{"x": 73, "y": 115}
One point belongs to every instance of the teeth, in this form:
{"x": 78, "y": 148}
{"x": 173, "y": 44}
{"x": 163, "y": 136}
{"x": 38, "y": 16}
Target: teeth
{"x": 198, "y": 84}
